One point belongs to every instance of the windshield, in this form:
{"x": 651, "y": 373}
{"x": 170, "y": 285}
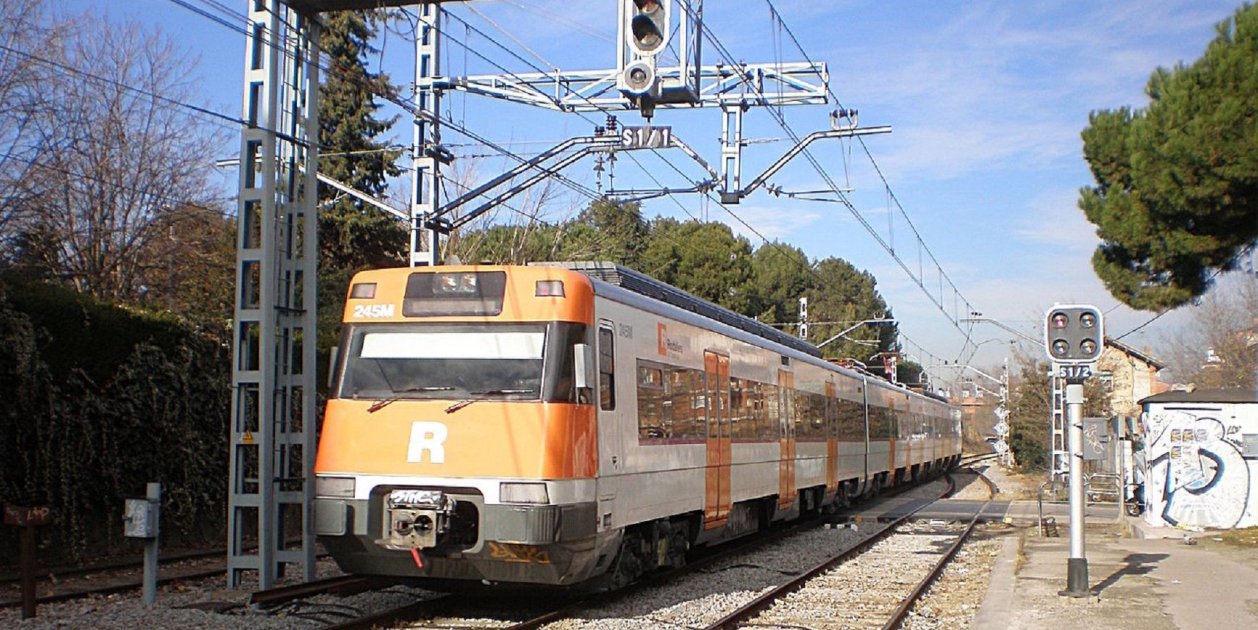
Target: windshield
{"x": 477, "y": 361}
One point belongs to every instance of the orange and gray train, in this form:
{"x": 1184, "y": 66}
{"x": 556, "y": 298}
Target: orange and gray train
{"x": 556, "y": 423}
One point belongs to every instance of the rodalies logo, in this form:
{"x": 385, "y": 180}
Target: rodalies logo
{"x": 429, "y": 437}
{"x": 667, "y": 346}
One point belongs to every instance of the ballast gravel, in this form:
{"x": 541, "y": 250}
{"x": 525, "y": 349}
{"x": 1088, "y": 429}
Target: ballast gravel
{"x": 688, "y": 602}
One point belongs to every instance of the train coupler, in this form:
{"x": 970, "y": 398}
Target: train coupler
{"x": 414, "y": 519}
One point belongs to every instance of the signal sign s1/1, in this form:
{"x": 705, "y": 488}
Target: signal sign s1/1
{"x": 643, "y": 137}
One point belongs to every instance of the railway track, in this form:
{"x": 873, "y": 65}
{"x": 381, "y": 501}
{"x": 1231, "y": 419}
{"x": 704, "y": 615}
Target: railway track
{"x": 687, "y": 596}
{"x": 478, "y": 611}
{"x": 870, "y": 585}
{"x": 117, "y": 577}
{"x": 70, "y": 583}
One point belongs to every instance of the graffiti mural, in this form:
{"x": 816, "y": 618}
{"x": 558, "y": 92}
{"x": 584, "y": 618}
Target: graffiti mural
{"x": 1197, "y": 474}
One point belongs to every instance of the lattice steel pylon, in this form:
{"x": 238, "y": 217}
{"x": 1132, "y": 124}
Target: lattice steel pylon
{"x": 1057, "y": 431}
{"x": 272, "y": 435}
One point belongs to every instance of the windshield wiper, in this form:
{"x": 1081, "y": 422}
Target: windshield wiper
{"x": 381, "y": 404}
{"x": 488, "y": 392}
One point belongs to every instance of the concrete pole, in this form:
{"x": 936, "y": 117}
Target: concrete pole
{"x": 1077, "y": 565}
{"x": 153, "y": 493}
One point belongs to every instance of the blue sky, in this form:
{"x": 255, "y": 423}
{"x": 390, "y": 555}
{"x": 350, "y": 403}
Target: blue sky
{"x": 986, "y": 100}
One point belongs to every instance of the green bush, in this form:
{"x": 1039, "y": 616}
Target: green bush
{"x": 101, "y": 400}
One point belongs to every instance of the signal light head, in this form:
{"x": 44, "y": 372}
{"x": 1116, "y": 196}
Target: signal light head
{"x": 1073, "y": 335}
{"x": 648, "y": 26}
{"x": 1061, "y": 348}
{"x": 639, "y": 79}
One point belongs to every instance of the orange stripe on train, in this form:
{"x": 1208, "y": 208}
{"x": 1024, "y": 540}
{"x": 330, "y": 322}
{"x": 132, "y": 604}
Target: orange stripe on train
{"x": 484, "y": 439}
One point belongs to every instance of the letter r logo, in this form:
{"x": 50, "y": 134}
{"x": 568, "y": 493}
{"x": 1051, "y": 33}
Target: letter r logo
{"x": 427, "y": 436}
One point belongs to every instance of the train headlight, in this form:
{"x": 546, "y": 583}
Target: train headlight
{"x": 462, "y": 283}
{"x": 549, "y": 288}
{"x": 338, "y": 487}
{"x": 515, "y": 492}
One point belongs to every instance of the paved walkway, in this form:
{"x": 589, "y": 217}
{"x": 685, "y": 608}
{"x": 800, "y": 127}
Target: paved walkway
{"x": 1142, "y": 581}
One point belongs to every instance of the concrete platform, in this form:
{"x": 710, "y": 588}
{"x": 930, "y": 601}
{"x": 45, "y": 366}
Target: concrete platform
{"x": 1141, "y": 580}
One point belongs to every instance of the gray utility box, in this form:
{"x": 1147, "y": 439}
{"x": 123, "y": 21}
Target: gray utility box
{"x": 140, "y": 518}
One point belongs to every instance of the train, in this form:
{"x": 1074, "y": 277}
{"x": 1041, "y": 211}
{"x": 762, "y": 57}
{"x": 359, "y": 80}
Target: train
{"x": 578, "y": 423}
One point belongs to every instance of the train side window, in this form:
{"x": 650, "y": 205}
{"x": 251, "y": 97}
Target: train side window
{"x": 687, "y": 396}
{"x": 769, "y": 426}
{"x": 654, "y": 407}
{"x": 606, "y": 368}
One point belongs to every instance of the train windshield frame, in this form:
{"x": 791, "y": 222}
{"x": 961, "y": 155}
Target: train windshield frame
{"x": 454, "y": 361}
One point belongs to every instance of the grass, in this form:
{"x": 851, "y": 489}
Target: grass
{"x": 1247, "y": 537}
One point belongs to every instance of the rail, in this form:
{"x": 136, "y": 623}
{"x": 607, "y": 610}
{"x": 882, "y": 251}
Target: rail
{"x": 765, "y": 600}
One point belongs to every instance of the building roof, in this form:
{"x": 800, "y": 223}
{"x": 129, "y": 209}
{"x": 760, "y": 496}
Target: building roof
{"x": 1204, "y": 396}
{"x": 1114, "y": 343}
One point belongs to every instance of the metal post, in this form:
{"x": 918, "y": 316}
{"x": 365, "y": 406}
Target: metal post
{"x": 27, "y": 562}
{"x": 803, "y": 318}
{"x": 1120, "y": 445}
{"x": 1058, "y": 447}
{"x": 1077, "y": 565}
{"x": 425, "y": 179}
{"x": 153, "y": 494}
{"x": 272, "y": 436}
{"x": 731, "y": 152}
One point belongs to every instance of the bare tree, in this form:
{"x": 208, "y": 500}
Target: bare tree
{"x": 22, "y": 94}
{"x": 1219, "y": 348}
{"x": 119, "y": 157}
{"x": 512, "y": 233}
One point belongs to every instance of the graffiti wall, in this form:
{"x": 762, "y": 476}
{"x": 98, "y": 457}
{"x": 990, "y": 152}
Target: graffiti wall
{"x": 1198, "y": 471}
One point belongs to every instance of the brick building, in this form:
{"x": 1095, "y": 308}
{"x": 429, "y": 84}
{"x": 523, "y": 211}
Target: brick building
{"x": 1129, "y": 375}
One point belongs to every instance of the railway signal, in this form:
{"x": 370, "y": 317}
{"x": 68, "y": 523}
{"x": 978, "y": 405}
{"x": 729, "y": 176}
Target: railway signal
{"x": 1074, "y": 339}
{"x": 647, "y": 23}
{"x": 648, "y": 27}
{"x": 1073, "y": 334}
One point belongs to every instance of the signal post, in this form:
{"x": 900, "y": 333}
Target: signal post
{"x": 1074, "y": 338}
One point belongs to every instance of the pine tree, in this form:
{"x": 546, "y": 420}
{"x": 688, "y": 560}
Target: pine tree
{"x": 1177, "y": 182}
{"x": 352, "y": 234}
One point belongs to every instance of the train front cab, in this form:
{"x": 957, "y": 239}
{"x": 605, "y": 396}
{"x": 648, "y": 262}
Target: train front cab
{"x": 460, "y": 441}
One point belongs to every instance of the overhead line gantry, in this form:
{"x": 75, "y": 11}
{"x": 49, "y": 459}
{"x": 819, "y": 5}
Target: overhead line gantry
{"x": 272, "y": 434}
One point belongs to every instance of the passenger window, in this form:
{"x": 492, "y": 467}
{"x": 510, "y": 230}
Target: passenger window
{"x": 606, "y": 369}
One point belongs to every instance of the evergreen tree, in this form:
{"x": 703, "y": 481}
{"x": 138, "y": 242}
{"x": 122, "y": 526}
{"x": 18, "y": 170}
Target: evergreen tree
{"x": 352, "y": 234}
{"x": 607, "y": 230}
{"x": 706, "y": 259}
{"x": 782, "y": 276}
{"x": 845, "y": 295}
{"x": 1177, "y": 183}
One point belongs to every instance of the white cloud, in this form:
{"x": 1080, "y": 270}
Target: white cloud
{"x": 1054, "y": 219}
{"x": 774, "y": 223}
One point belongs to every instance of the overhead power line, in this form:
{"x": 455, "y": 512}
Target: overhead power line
{"x": 391, "y": 95}
{"x": 888, "y": 247}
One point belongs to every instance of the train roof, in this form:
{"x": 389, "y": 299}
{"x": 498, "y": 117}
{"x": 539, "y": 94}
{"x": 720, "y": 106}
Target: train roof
{"x": 643, "y": 284}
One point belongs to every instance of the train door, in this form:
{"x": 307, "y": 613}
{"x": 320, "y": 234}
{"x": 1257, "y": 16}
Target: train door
{"x": 719, "y": 453}
{"x": 609, "y": 429}
{"x": 893, "y": 433}
{"x": 610, "y": 442}
{"x": 832, "y": 439}
{"x": 863, "y": 390}
{"x": 786, "y": 439}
